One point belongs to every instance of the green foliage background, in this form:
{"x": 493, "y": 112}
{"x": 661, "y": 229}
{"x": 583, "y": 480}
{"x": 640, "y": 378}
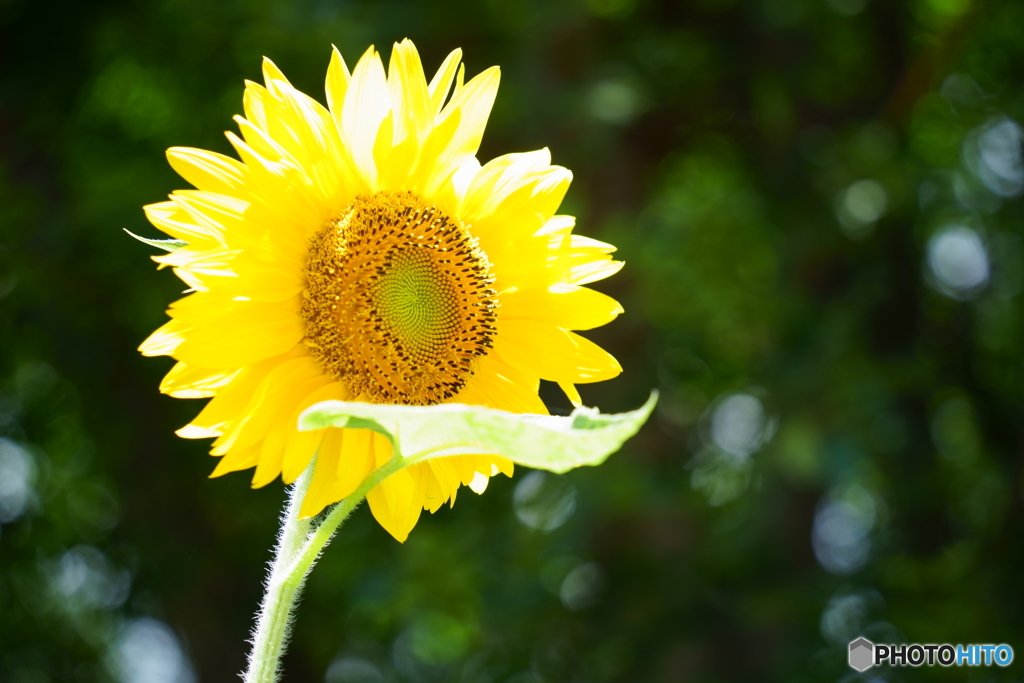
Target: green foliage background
{"x": 716, "y": 142}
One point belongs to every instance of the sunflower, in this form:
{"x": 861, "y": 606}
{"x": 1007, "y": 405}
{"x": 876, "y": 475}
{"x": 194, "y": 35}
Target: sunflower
{"x": 361, "y": 252}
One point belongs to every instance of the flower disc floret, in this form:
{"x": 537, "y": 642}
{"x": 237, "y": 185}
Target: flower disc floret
{"x": 398, "y": 303}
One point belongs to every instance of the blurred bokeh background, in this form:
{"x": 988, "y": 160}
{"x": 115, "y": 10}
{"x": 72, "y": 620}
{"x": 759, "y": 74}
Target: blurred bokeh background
{"x": 818, "y": 203}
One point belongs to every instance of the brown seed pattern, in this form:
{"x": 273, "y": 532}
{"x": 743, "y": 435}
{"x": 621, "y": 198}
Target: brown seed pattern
{"x": 398, "y": 302}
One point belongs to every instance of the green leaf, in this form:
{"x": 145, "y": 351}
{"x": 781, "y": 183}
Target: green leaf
{"x": 166, "y": 245}
{"x": 546, "y": 442}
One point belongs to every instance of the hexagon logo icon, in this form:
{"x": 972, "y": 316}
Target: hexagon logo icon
{"x": 862, "y": 654}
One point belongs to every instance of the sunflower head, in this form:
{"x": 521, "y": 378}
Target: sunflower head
{"x": 360, "y": 252}
{"x": 398, "y": 301}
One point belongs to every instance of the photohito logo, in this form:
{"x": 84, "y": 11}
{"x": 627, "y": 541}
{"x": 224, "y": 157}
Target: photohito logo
{"x": 864, "y": 654}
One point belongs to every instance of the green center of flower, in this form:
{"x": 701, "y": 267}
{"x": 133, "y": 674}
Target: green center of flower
{"x": 398, "y": 301}
{"x": 416, "y": 302}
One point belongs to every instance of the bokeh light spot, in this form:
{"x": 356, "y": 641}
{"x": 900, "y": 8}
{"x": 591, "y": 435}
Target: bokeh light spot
{"x": 722, "y": 477}
{"x": 961, "y": 91}
{"x": 843, "y": 618}
{"x": 438, "y": 638}
{"x": 353, "y": 670}
{"x": 544, "y": 501}
{"x": 958, "y": 262}
{"x": 738, "y": 424}
{"x": 859, "y": 207}
{"x": 83, "y": 578}
{"x": 147, "y": 651}
{"x": 614, "y": 101}
{"x": 17, "y": 472}
{"x": 993, "y": 153}
{"x": 842, "y": 524}
{"x": 582, "y": 586}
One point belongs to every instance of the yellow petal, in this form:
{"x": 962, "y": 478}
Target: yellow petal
{"x": 209, "y": 171}
{"x": 591, "y": 271}
{"x": 338, "y": 78}
{"x": 254, "y": 103}
{"x": 307, "y": 131}
{"x": 222, "y": 216}
{"x": 265, "y": 279}
{"x": 356, "y": 462}
{"x": 395, "y": 162}
{"x": 338, "y": 81}
{"x": 237, "y": 460}
{"x": 497, "y": 179}
{"x": 465, "y": 467}
{"x": 367, "y": 103}
{"x": 166, "y": 340}
{"x": 424, "y": 172}
{"x": 547, "y": 259}
{"x": 283, "y": 193}
{"x": 473, "y": 103}
{"x": 323, "y": 473}
{"x": 205, "y": 267}
{"x": 229, "y": 405}
{"x": 567, "y": 306}
{"x": 246, "y": 335}
{"x": 499, "y": 464}
{"x": 271, "y": 73}
{"x": 525, "y": 207}
{"x": 173, "y": 220}
{"x": 264, "y": 143}
{"x": 301, "y": 446}
{"x": 501, "y": 387}
{"x": 553, "y": 353}
{"x": 399, "y": 525}
{"x": 441, "y": 83}
{"x": 460, "y": 78}
{"x": 409, "y": 95}
{"x": 560, "y": 225}
{"x": 187, "y": 381}
{"x": 397, "y": 501}
{"x": 263, "y": 403}
{"x": 199, "y": 308}
{"x": 283, "y": 430}
{"x": 571, "y": 393}
{"x": 443, "y": 485}
{"x": 271, "y": 456}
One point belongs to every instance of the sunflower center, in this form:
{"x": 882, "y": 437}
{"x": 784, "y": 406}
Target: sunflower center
{"x": 416, "y": 301}
{"x": 398, "y": 301}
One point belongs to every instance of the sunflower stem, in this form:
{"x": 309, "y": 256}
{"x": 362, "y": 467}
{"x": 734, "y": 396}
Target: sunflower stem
{"x": 297, "y": 550}
{"x": 273, "y": 620}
